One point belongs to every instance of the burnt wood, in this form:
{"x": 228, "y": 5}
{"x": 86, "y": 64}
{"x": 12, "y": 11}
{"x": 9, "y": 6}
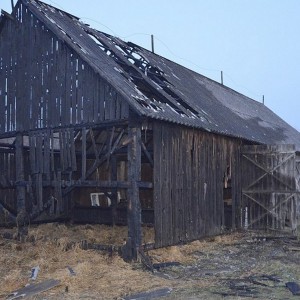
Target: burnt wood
{"x": 81, "y": 117}
{"x": 20, "y": 172}
{"x": 134, "y": 206}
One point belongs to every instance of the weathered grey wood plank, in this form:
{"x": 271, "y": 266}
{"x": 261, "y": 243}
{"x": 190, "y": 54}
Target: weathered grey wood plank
{"x": 134, "y": 205}
{"x": 33, "y": 289}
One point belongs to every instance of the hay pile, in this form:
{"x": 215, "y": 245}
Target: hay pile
{"x": 184, "y": 253}
{"x": 98, "y": 234}
{"x": 99, "y": 275}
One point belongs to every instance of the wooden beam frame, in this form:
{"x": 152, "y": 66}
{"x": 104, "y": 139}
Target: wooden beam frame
{"x": 271, "y": 171}
{"x": 269, "y": 211}
{"x": 87, "y": 183}
{"x": 85, "y": 174}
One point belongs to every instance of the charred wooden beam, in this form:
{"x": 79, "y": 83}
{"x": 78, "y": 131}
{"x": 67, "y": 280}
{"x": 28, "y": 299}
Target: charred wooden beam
{"x": 110, "y": 184}
{"x": 85, "y": 183}
{"x": 98, "y": 162}
{"x": 83, "y": 152}
{"x": 19, "y": 156}
{"x": 134, "y": 241}
{"x": 148, "y": 155}
{"x": 6, "y": 146}
{"x": 6, "y": 14}
{"x": 114, "y": 177}
{"x": 93, "y": 142}
{"x": 110, "y": 145}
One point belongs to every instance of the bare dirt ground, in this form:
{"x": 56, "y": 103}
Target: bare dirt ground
{"x": 233, "y": 266}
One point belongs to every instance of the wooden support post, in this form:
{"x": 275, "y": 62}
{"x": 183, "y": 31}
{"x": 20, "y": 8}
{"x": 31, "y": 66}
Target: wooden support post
{"x": 83, "y": 152}
{"x": 20, "y": 188}
{"x": 113, "y": 177}
{"x": 22, "y": 219}
{"x": 134, "y": 207}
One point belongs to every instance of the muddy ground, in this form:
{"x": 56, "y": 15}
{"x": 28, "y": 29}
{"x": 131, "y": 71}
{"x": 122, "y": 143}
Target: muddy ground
{"x": 232, "y": 266}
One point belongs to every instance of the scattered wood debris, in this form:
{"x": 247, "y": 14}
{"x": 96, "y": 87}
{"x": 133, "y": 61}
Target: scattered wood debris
{"x": 72, "y": 272}
{"x": 159, "y": 266}
{"x": 34, "y": 272}
{"x": 226, "y": 265}
{"x": 265, "y": 280}
{"x": 294, "y": 287}
{"x": 149, "y": 294}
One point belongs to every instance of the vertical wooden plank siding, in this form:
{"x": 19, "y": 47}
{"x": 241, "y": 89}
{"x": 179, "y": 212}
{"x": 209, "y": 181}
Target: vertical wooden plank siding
{"x": 43, "y": 83}
{"x": 189, "y": 167}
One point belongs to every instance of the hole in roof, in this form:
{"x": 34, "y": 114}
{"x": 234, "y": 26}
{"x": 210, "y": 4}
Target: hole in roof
{"x": 137, "y": 56}
{"x": 120, "y": 49}
{"x": 131, "y": 60}
{"x": 94, "y": 39}
{"x": 137, "y": 70}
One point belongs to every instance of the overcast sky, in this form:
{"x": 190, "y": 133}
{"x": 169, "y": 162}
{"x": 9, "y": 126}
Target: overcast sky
{"x": 256, "y": 43}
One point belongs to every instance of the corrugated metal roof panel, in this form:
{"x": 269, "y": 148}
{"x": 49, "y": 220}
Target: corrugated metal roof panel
{"x": 161, "y": 89}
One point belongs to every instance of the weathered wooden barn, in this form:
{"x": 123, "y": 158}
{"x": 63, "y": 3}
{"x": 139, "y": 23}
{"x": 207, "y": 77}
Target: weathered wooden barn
{"x": 95, "y": 129}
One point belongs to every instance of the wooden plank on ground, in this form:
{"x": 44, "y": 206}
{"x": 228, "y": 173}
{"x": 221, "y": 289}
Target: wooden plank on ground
{"x": 33, "y": 289}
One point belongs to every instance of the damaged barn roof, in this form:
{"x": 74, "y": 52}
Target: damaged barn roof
{"x": 158, "y": 88}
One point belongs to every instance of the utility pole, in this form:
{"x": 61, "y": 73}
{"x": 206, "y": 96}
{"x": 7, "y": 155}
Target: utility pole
{"x": 152, "y": 43}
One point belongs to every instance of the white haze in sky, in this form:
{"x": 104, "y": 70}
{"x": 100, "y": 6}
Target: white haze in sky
{"x": 255, "y": 43}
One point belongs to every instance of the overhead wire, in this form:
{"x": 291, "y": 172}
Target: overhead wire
{"x": 170, "y": 51}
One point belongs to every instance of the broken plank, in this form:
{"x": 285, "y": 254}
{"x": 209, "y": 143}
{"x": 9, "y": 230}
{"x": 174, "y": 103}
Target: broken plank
{"x": 34, "y": 289}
